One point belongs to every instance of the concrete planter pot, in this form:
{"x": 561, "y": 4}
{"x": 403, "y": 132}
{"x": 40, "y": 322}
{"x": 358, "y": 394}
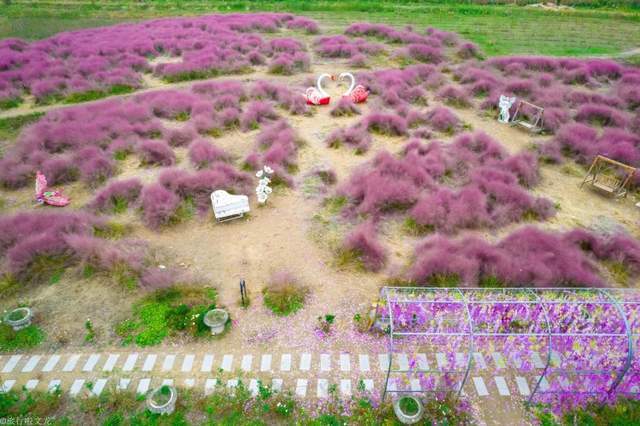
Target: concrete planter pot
{"x": 162, "y": 400}
{"x": 216, "y": 319}
{"x": 408, "y": 409}
{"x": 19, "y": 318}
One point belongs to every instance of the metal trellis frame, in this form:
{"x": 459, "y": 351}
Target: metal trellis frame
{"x": 575, "y": 305}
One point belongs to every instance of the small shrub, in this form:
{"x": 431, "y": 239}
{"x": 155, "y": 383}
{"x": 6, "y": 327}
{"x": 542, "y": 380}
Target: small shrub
{"x": 284, "y": 295}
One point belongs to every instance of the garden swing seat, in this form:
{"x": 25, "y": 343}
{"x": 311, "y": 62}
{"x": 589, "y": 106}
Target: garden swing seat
{"x": 534, "y": 122}
{"x": 609, "y": 176}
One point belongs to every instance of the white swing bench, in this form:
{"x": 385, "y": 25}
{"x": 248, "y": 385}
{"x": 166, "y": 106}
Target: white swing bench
{"x": 228, "y": 206}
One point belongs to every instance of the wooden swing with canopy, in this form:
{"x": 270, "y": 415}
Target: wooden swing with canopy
{"x": 528, "y": 116}
{"x": 609, "y": 176}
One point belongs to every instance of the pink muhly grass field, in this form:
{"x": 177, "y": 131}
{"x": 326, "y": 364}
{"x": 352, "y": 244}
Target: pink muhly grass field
{"x": 526, "y": 257}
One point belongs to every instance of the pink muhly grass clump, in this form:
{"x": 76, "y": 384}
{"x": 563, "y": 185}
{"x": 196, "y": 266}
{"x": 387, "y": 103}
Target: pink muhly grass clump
{"x": 159, "y": 206}
{"x": 345, "y": 108}
{"x": 468, "y": 51}
{"x": 601, "y": 115}
{"x": 171, "y": 104}
{"x": 385, "y": 123}
{"x": 617, "y": 247}
{"x": 449, "y": 211}
{"x": 59, "y": 170}
{"x": 358, "y": 61}
{"x": 288, "y": 64}
{"x": 509, "y": 202}
{"x": 287, "y": 45}
{"x": 198, "y": 186}
{"x": 524, "y": 166}
{"x": 526, "y": 257}
{"x": 17, "y": 227}
{"x": 14, "y": 173}
{"x": 634, "y": 124}
{"x": 454, "y": 96}
{"x": 541, "y": 258}
{"x": 95, "y": 165}
{"x": 181, "y": 136}
{"x": 309, "y": 25}
{"x": 385, "y": 185}
{"x": 443, "y": 120}
{"x": 33, "y": 244}
{"x": 154, "y": 278}
{"x": 277, "y": 147}
{"x": 579, "y": 140}
{"x": 362, "y": 244}
{"x": 256, "y": 113}
{"x": 356, "y": 137}
{"x": 422, "y": 133}
{"x": 156, "y": 153}
{"x": 520, "y": 88}
{"x": 202, "y": 153}
{"x": 554, "y": 118}
{"x": 619, "y": 145}
{"x": 117, "y": 196}
{"x": 424, "y": 53}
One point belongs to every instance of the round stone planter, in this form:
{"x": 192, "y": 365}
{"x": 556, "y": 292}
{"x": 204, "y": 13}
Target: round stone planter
{"x": 19, "y": 318}
{"x": 408, "y": 409}
{"x": 162, "y": 400}
{"x": 216, "y": 319}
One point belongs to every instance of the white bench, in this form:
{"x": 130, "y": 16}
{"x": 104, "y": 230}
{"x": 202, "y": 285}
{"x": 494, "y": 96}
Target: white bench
{"x": 227, "y": 206}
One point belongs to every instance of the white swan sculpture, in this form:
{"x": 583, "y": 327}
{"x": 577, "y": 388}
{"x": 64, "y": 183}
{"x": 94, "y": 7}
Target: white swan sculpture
{"x": 317, "y": 95}
{"x": 357, "y": 93}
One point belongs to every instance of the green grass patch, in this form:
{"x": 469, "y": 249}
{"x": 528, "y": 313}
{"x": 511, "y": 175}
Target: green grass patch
{"x": 111, "y": 230}
{"x": 412, "y": 227}
{"x": 44, "y": 268}
{"x": 498, "y": 29}
{"x": 491, "y": 281}
{"x": 26, "y": 338}
{"x": 443, "y": 280}
{"x": 625, "y": 412}
{"x": 619, "y": 271}
{"x": 223, "y": 407}
{"x": 10, "y": 127}
{"x": 285, "y": 297}
{"x": 9, "y": 103}
{"x": 334, "y": 205}
{"x": 167, "y": 312}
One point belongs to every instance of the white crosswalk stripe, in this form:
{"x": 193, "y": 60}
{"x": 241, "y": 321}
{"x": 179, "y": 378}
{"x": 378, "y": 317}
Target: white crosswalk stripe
{"x": 111, "y": 362}
{"x": 11, "y": 364}
{"x": 149, "y": 362}
{"x": 31, "y": 364}
{"x": 91, "y": 362}
{"x": 169, "y": 360}
{"x": 51, "y": 363}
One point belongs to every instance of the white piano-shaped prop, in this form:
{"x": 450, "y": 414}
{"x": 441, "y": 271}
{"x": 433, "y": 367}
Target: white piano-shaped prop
{"x": 227, "y": 206}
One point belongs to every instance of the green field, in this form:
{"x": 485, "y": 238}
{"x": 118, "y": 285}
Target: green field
{"x": 498, "y": 29}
